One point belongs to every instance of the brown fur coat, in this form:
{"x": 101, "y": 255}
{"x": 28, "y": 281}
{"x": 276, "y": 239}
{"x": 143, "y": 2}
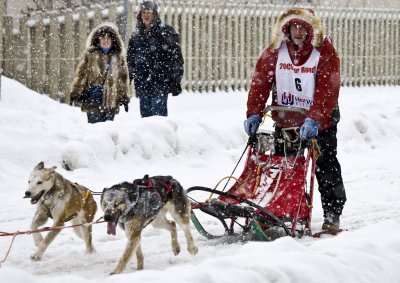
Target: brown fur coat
{"x": 91, "y": 70}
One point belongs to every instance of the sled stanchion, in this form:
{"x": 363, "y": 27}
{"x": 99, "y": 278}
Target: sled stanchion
{"x": 315, "y": 154}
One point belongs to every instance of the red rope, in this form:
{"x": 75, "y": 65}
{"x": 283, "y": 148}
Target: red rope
{"x": 45, "y": 229}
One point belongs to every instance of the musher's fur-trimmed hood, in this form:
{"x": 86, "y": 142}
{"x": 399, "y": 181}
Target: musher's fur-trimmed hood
{"x": 299, "y": 16}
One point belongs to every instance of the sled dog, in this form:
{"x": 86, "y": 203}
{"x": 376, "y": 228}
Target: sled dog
{"x": 61, "y": 200}
{"x": 135, "y": 205}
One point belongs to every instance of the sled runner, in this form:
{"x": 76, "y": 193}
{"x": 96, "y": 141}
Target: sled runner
{"x": 272, "y": 197}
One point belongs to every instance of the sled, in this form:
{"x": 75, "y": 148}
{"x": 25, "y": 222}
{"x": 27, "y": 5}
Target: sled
{"x": 273, "y": 197}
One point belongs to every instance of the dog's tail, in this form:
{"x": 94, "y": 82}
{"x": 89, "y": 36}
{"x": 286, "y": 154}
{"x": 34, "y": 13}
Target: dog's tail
{"x": 179, "y": 197}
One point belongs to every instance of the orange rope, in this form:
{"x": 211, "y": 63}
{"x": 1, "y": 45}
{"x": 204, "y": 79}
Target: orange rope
{"x": 316, "y": 152}
{"x": 227, "y": 177}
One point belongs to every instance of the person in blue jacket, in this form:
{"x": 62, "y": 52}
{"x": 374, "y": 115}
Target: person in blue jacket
{"x": 155, "y": 61}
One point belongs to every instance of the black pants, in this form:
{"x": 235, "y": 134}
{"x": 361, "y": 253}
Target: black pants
{"x": 153, "y": 105}
{"x": 329, "y": 174}
{"x": 100, "y": 116}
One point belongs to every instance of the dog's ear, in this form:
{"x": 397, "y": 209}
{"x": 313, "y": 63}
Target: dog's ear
{"x": 102, "y": 194}
{"x": 40, "y": 166}
{"x": 52, "y": 169}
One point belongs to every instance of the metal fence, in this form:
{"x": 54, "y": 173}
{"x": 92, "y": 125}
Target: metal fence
{"x": 221, "y": 43}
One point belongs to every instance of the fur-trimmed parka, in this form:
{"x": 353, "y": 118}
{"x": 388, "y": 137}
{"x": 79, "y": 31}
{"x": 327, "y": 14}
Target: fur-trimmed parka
{"x": 324, "y": 109}
{"x": 92, "y": 66}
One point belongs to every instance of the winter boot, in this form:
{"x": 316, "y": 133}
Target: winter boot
{"x": 331, "y": 223}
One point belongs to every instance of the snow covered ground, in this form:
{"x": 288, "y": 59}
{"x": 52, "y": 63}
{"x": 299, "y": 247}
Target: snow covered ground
{"x": 199, "y": 143}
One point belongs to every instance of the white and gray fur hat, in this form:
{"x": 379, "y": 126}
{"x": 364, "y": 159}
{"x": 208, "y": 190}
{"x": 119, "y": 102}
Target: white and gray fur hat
{"x": 302, "y": 15}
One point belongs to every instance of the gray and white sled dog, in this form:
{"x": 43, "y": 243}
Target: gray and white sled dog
{"x": 135, "y": 205}
{"x": 62, "y": 200}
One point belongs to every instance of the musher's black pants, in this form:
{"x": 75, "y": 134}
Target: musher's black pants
{"x": 328, "y": 171}
{"x": 329, "y": 174}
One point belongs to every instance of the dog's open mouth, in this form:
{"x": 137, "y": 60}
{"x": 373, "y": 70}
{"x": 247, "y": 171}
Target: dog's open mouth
{"x": 36, "y": 198}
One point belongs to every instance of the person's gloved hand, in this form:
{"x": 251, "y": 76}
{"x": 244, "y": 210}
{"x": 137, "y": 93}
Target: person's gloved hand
{"x": 74, "y": 98}
{"x": 251, "y": 125}
{"x": 175, "y": 88}
{"x": 126, "y": 107}
{"x": 124, "y": 102}
{"x": 309, "y": 129}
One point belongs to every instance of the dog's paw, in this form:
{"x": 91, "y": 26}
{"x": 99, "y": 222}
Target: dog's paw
{"x": 37, "y": 256}
{"x": 90, "y": 250}
{"x": 193, "y": 250}
{"x": 176, "y": 249}
{"x": 140, "y": 266}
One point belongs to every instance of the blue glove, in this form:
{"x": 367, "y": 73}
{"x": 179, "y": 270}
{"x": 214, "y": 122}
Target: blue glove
{"x": 309, "y": 129}
{"x": 251, "y": 125}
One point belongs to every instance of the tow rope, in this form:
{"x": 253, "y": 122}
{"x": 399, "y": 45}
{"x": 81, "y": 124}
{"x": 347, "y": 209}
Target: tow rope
{"x": 45, "y": 229}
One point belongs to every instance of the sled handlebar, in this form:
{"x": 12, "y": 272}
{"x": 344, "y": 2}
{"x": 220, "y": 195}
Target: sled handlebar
{"x": 285, "y": 109}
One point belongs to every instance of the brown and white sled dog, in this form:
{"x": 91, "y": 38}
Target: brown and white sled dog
{"x": 135, "y": 205}
{"x": 62, "y": 200}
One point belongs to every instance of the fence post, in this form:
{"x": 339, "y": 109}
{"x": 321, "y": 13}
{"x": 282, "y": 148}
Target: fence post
{"x": 8, "y": 47}
{"x": 23, "y": 41}
{"x": 131, "y": 20}
{"x": 38, "y": 56}
{"x": 82, "y": 31}
{"x": 67, "y": 55}
{"x": 3, "y": 6}
{"x": 125, "y": 22}
{"x": 54, "y": 57}
{"x": 97, "y": 17}
{"x": 112, "y": 15}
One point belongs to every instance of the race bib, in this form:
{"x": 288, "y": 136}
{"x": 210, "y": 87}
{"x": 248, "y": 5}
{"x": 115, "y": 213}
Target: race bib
{"x": 295, "y": 85}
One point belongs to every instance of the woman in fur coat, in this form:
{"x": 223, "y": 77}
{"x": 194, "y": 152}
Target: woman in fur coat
{"x": 102, "y": 73}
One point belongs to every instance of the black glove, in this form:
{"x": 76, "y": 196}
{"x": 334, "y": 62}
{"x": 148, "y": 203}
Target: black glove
{"x": 74, "y": 97}
{"x": 175, "y": 88}
{"x": 125, "y": 104}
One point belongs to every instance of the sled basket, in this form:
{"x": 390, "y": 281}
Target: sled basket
{"x": 273, "y": 195}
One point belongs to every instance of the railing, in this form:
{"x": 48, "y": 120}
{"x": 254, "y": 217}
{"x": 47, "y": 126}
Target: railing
{"x": 221, "y": 43}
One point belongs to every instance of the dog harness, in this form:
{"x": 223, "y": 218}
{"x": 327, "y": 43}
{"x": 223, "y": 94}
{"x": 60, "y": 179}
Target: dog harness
{"x": 48, "y": 209}
{"x": 161, "y": 184}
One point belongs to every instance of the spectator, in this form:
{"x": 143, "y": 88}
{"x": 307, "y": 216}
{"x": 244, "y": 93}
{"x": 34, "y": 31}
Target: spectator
{"x": 100, "y": 81}
{"x": 303, "y": 70}
{"x": 155, "y": 61}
